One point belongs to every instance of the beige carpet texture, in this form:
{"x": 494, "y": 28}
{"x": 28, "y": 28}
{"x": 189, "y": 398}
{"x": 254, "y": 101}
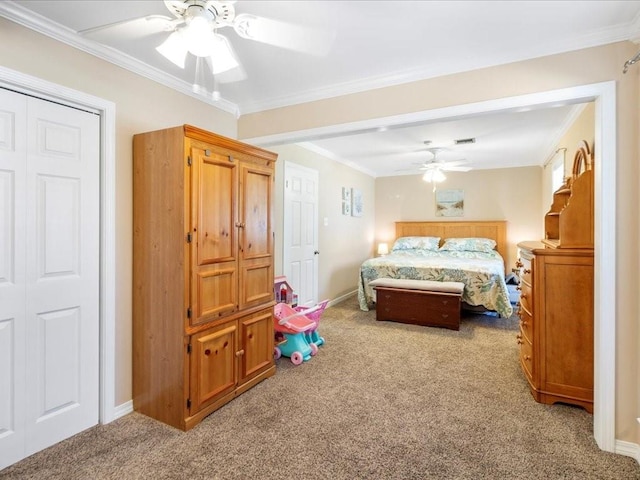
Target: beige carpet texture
{"x": 380, "y": 400}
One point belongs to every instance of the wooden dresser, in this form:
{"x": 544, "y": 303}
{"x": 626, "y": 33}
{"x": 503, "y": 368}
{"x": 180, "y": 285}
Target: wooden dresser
{"x": 556, "y": 302}
{"x": 202, "y": 272}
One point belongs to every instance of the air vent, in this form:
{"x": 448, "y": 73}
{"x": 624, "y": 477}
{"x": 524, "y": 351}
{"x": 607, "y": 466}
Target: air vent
{"x": 464, "y": 141}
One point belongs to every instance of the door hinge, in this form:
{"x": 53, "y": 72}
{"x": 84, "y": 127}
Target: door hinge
{"x": 189, "y": 312}
{"x": 207, "y": 153}
{"x": 189, "y": 237}
{"x": 230, "y": 158}
{"x": 188, "y": 403}
{"x": 189, "y": 348}
{"x": 189, "y": 160}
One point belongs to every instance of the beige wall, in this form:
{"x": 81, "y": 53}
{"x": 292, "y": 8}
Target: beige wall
{"x": 583, "y": 128}
{"x": 141, "y": 105}
{"x": 346, "y": 241}
{"x": 511, "y": 194}
{"x": 583, "y": 67}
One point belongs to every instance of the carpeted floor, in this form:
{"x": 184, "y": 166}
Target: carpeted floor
{"x": 379, "y": 401}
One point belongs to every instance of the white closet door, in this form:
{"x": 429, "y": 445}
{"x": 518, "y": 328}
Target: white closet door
{"x": 55, "y": 244}
{"x": 13, "y": 168}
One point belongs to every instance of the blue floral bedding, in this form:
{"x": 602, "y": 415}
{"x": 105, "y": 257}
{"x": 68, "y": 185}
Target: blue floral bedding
{"x": 481, "y": 272}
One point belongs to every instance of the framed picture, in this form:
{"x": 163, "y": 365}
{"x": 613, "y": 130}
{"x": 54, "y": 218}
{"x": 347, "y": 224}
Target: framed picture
{"x": 449, "y": 203}
{"x": 346, "y": 207}
{"x": 346, "y": 194}
{"x": 356, "y": 203}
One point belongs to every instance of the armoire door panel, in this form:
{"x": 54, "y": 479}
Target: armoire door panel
{"x": 213, "y": 371}
{"x": 214, "y": 216}
{"x": 257, "y": 343}
{"x": 216, "y": 293}
{"x": 256, "y": 240}
{"x": 257, "y": 283}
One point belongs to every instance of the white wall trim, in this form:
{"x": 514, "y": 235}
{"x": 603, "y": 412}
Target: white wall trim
{"x": 604, "y": 95}
{"x": 628, "y": 449}
{"x": 36, "y": 87}
{"x": 123, "y": 409}
{"x": 341, "y": 298}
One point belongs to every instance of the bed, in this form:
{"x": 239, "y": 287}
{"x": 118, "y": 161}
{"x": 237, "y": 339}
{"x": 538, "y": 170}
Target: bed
{"x": 474, "y": 255}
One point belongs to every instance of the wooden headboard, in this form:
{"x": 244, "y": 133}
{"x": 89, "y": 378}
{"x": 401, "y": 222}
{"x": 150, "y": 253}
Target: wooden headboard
{"x": 496, "y": 230}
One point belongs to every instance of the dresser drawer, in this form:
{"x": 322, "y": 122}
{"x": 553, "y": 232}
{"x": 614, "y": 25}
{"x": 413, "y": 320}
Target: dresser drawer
{"x": 526, "y": 323}
{"x": 526, "y": 356}
{"x": 525, "y": 269}
{"x": 526, "y": 296}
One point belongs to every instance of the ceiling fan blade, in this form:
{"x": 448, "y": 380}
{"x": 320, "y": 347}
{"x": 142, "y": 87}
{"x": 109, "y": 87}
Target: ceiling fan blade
{"x": 448, "y": 168}
{"x": 285, "y": 35}
{"x": 462, "y": 161}
{"x": 133, "y": 27}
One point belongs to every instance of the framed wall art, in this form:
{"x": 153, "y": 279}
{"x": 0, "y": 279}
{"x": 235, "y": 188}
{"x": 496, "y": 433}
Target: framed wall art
{"x": 449, "y": 203}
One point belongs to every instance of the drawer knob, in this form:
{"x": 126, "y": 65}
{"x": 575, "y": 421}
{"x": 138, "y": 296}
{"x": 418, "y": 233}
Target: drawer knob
{"x": 527, "y": 357}
{"x": 519, "y": 342}
{"x": 519, "y": 264}
{"x": 239, "y": 353}
{"x": 526, "y": 271}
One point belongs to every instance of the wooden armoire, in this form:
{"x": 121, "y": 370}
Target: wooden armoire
{"x": 557, "y": 295}
{"x": 202, "y": 272}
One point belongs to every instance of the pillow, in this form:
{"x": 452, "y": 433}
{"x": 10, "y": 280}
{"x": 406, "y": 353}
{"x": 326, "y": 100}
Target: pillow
{"x": 469, "y": 245}
{"x": 416, "y": 243}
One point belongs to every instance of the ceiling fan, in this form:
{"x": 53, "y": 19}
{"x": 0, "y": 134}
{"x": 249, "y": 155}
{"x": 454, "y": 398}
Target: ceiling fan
{"x": 434, "y": 167}
{"x": 194, "y": 30}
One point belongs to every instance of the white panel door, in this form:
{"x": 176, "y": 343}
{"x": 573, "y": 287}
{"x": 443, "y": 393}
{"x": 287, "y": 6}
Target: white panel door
{"x": 55, "y": 239}
{"x": 300, "y": 256}
{"x": 13, "y": 153}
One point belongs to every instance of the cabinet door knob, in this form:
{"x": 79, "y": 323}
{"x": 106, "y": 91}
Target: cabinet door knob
{"x": 526, "y": 271}
{"x": 207, "y": 352}
{"x": 239, "y": 353}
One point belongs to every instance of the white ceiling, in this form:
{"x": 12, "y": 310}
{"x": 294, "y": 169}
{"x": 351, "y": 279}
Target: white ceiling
{"x": 375, "y": 44}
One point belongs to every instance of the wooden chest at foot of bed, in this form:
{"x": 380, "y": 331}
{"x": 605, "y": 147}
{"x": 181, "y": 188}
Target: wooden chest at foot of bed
{"x": 424, "y": 303}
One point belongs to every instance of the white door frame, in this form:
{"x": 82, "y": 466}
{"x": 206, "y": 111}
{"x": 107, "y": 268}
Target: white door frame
{"x": 22, "y": 83}
{"x": 604, "y": 96}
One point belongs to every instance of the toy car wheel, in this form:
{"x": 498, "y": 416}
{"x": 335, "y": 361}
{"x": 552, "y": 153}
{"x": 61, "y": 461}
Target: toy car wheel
{"x": 276, "y": 353}
{"x": 314, "y": 348}
{"x": 296, "y": 358}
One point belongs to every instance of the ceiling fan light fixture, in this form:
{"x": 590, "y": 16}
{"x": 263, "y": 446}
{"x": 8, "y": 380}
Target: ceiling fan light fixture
{"x": 174, "y": 49}
{"x": 222, "y": 56}
{"x": 434, "y": 175}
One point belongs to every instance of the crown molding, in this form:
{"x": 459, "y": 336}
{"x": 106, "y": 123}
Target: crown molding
{"x": 605, "y": 36}
{"x": 22, "y": 16}
{"x": 312, "y": 147}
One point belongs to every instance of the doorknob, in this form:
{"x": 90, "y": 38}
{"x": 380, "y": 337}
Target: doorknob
{"x": 316, "y": 252}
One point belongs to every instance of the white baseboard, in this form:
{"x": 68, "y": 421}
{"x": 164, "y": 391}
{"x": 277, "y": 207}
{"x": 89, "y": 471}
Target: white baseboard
{"x": 342, "y": 298}
{"x": 123, "y": 409}
{"x": 628, "y": 449}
